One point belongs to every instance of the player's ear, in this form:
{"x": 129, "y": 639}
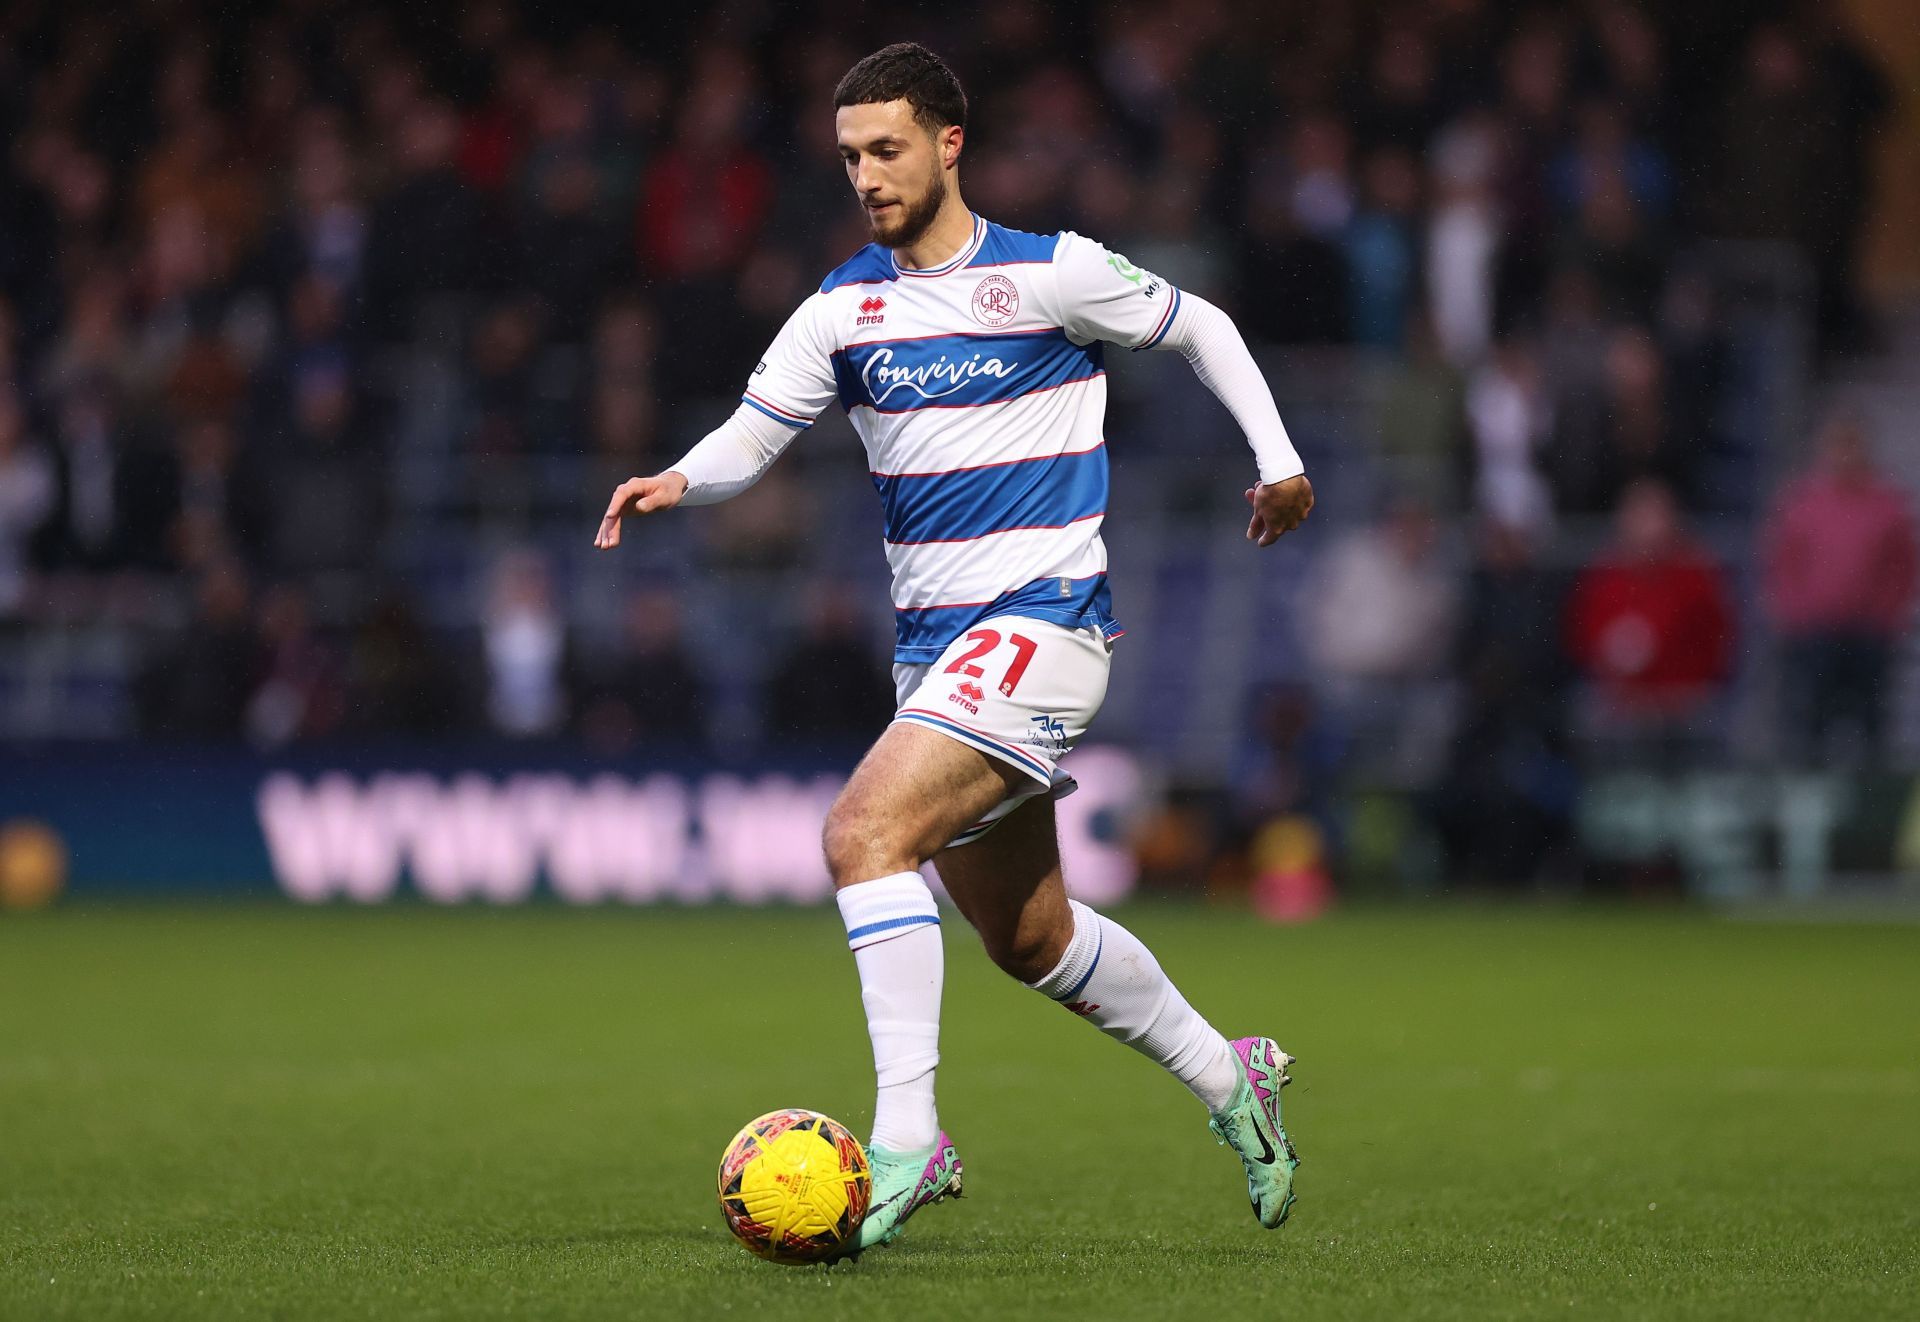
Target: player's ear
{"x": 951, "y": 139}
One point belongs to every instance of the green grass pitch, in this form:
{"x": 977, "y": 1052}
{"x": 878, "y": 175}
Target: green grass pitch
{"x": 262, "y": 1112}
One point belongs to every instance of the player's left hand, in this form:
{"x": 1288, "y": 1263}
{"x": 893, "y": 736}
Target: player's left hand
{"x": 1278, "y": 508}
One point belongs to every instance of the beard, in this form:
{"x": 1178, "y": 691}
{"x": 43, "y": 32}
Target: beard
{"x": 914, "y": 220}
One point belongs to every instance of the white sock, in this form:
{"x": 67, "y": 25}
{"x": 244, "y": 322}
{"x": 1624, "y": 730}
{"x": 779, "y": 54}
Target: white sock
{"x": 1109, "y": 978}
{"x": 893, "y": 926}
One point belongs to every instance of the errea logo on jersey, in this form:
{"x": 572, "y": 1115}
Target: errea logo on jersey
{"x": 872, "y": 311}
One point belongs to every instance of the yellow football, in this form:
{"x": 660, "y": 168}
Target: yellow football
{"x": 794, "y": 1186}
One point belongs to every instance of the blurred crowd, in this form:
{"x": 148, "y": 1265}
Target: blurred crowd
{"x": 1482, "y": 683}
{"x": 261, "y": 266}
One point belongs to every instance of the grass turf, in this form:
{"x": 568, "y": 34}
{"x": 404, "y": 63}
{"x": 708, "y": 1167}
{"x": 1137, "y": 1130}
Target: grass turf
{"x": 469, "y": 1114}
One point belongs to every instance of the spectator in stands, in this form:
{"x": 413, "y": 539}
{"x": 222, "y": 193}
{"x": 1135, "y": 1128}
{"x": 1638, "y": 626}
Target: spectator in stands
{"x": 524, "y": 645}
{"x": 1790, "y": 152}
{"x": 1532, "y": 110}
{"x": 29, "y": 275}
{"x": 207, "y": 380}
{"x": 1650, "y": 626}
{"x": 1572, "y": 344}
{"x": 1398, "y": 108}
{"x": 1463, "y": 238}
{"x": 116, "y": 491}
{"x": 1859, "y": 97}
{"x": 1380, "y": 613}
{"x": 198, "y": 687}
{"x": 1633, "y": 68}
{"x": 313, "y": 495}
{"x": 1840, "y": 564}
{"x": 1693, "y": 349}
{"x": 1506, "y": 801}
{"x": 27, "y": 491}
{"x": 1596, "y": 456}
{"x": 81, "y": 187}
{"x": 500, "y": 378}
{"x": 1288, "y": 762}
{"x": 316, "y": 350}
{"x": 1609, "y": 238}
{"x": 649, "y": 695}
{"x": 1384, "y": 601}
{"x": 704, "y": 202}
{"x": 1422, "y": 417}
{"x": 571, "y": 252}
{"x": 322, "y": 234}
{"x": 205, "y": 501}
{"x": 1323, "y": 196}
{"x": 1606, "y": 153}
{"x": 831, "y": 689}
{"x": 1511, "y": 418}
{"x": 179, "y": 295}
{"x": 91, "y": 351}
{"x": 624, "y": 405}
{"x": 1295, "y": 287}
{"x": 431, "y": 234}
{"x": 1383, "y": 249}
{"x": 195, "y": 167}
{"x": 299, "y": 693}
{"x": 706, "y": 196}
{"x": 399, "y": 679}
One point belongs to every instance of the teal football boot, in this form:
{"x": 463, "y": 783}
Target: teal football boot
{"x": 1250, "y": 1124}
{"x": 903, "y": 1183}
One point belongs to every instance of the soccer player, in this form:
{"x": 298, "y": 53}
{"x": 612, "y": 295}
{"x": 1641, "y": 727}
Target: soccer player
{"x": 969, "y": 359}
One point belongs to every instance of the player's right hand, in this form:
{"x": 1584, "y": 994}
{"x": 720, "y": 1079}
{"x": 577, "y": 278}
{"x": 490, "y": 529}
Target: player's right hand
{"x": 1278, "y": 508}
{"x": 639, "y": 495}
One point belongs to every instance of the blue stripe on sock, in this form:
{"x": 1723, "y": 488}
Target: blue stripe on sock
{"x": 1099, "y": 944}
{"x": 888, "y": 924}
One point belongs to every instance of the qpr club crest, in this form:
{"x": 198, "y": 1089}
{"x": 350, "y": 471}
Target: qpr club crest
{"x": 995, "y": 301}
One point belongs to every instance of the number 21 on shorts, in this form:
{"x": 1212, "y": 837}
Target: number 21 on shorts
{"x": 985, "y": 641}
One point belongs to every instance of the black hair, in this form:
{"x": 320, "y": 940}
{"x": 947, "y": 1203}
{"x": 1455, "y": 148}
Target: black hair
{"x": 906, "y": 71}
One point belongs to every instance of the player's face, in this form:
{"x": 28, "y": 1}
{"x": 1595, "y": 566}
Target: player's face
{"x": 896, "y": 167}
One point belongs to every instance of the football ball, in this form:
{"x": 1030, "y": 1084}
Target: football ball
{"x": 794, "y": 1186}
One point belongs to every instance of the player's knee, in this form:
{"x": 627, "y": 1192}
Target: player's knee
{"x": 859, "y": 847}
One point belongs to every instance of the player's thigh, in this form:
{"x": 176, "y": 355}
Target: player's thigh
{"x": 913, "y": 792}
{"x": 1008, "y": 885}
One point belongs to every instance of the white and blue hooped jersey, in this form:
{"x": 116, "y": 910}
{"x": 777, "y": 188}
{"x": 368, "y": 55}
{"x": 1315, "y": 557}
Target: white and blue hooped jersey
{"x": 979, "y": 390}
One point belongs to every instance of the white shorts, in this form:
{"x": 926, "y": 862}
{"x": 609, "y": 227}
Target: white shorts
{"x": 1021, "y": 690}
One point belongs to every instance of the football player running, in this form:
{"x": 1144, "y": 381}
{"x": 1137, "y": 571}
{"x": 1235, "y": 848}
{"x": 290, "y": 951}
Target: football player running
{"x": 969, "y": 359}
